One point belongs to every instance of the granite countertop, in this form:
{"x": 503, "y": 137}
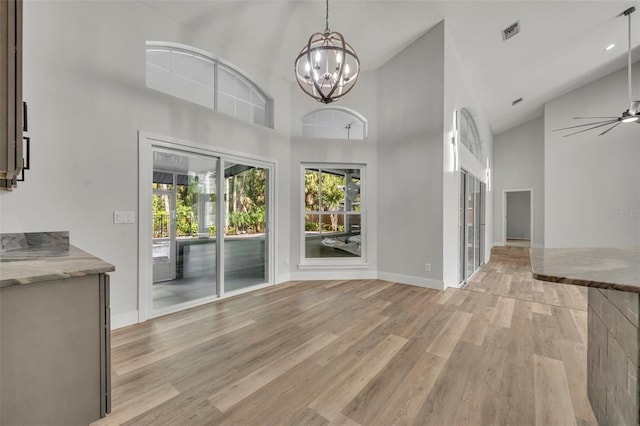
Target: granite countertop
{"x": 607, "y": 268}
{"x": 74, "y": 263}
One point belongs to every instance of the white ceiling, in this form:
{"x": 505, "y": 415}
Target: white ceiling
{"x": 560, "y": 46}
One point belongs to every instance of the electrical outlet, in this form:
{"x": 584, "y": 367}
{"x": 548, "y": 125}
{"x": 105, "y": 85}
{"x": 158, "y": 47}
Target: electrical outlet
{"x": 427, "y": 267}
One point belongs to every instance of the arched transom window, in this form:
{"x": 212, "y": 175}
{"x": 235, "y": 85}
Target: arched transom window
{"x": 195, "y": 76}
{"x": 334, "y": 123}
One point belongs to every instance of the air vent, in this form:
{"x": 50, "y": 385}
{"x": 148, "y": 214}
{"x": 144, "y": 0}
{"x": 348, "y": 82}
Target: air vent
{"x": 510, "y": 31}
{"x": 516, "y": 102}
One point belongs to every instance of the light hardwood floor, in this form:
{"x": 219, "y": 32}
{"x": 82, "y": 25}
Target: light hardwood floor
{"x": 505, "y": 350}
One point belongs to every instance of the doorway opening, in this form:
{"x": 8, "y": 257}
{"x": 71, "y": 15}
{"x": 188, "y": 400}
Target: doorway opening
{"x": 518, "y": 218}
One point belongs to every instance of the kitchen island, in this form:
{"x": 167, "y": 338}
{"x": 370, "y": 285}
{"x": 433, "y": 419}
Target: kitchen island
{"x": 613, "y": 278}
{"x": 54, "y": 334}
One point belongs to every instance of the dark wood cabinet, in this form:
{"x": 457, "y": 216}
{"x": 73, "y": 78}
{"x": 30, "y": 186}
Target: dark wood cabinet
{"x": 11, "y": 103}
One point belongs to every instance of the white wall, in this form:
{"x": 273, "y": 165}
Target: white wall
{"x": 84, "y": 81}
{"x": 459, "y": 93}
{"x": 410, "y": 126}
{"x": 592, "y": 183}
{"x": 519, "y": 164}
{"x": 363, "y": 99}
{"x": 518, "y": 215}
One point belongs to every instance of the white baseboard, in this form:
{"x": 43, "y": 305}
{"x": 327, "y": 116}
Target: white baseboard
{"x": 124, "y": 319}
{"x": 411, "y": 280}
{"x": 497, "y": 243}
{"x": 335, "y": 274}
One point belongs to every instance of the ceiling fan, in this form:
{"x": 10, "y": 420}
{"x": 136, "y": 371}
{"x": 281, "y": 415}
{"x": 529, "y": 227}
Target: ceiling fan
{"x": 632, "y": 115}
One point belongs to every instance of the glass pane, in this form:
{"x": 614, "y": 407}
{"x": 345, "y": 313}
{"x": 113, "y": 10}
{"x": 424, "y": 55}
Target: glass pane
{"x": 203, "y": 72}
{"x": 226, "y": 104}
{"x": 469, "y": 225}
{"x": 259, "y": 116}
{"x": 258, "y": 100}
{"x": 243, "y": 110}
{"x": 333, "y": 124}
{"x": 226, "y": 80}
{"x": 333, "y": 226}
{"x": 461, "y": 225}
{"x": 160, "y": 58}
{"x": 243, "y": 90}
{"x": 181, "y": 87}
{"x": 332, "y": 191}
{"x": 311, "y": 190}
{"x": 184, "y": 243}
{"x": 245, "y": 239}
{"x": 203, "y": 96}
{"x": 182, "y": 64}
{"x": 158, "y": 79}
{"x": 476, "y": 219}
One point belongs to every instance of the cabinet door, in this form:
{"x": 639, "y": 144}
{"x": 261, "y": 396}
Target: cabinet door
{"x": 11, "y": 89}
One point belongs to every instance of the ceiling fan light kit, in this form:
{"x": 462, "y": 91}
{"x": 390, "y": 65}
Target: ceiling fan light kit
{"x": 631, "y": 115}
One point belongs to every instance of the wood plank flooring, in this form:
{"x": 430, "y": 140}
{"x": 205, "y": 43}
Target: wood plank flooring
{"x": 505, "y": 350}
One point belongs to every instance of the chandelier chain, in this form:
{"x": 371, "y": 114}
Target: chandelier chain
{"x": 326, "y": 20}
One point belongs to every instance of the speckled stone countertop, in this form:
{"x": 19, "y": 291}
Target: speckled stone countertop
{"x": 75, "y": 263}
{"x": 607, "y": 268}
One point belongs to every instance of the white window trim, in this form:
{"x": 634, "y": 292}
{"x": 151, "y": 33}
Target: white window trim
{"x": 335, "y": 262}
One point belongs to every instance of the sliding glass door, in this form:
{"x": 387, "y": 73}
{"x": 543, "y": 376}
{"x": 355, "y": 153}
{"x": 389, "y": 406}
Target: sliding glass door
{"x": 195, "y": 198}
{"x": 472, "y": 194}
{"x": 184, "y": 232}
{"x": 245, "y": 231}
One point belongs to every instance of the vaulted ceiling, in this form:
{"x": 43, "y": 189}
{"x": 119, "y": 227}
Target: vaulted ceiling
{"x": 560, "y": 46}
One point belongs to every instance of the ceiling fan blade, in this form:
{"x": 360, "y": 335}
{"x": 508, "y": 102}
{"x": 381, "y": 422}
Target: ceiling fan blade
{"x": 610, "y": 128}
{"x": 590, "y": 128}
{"x": 586, "y": 118}
{"x": 586, "y": 124}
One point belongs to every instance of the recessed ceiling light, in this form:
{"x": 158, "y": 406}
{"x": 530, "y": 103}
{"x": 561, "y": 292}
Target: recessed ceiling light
{"x": 609, "y": 47}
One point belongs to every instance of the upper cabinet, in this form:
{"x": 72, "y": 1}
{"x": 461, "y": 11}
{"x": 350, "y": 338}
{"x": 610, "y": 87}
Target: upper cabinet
{"x": 12, "y": 116}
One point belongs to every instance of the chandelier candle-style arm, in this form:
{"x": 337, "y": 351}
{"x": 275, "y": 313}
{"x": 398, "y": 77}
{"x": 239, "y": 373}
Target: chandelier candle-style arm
{"x": 327, "y": 67}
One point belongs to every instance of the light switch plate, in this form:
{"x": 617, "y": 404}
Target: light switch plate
{"x": 121, "y": 217}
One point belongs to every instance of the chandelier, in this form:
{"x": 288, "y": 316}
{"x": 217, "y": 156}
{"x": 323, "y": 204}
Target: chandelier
{"x": 327, "y": 67}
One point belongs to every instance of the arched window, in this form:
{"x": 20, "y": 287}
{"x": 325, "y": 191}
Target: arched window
{"x": 469, "y": 135}
{"x": 334, "y": 123}
{"x": 195, "y": 76}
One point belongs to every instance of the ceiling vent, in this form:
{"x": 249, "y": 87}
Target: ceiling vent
{"x": 510, "y": 31}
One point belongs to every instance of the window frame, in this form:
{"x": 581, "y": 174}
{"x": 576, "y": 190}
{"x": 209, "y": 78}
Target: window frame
{"x": 332, "y": 262}
{"x": 217, "y": 63}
